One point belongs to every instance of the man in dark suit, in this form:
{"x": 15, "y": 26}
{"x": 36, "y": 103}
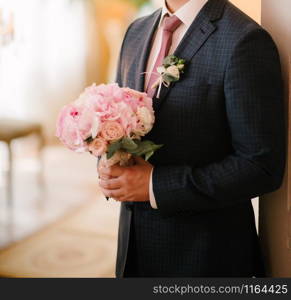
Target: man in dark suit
{"x": 188, "y": 212}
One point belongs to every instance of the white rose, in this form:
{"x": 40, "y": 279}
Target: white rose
{"x": 161, "y": 69}
{"x": 146, "y": 119}
{"x": 145, "y": 115}
{"x": 174, "y": 71}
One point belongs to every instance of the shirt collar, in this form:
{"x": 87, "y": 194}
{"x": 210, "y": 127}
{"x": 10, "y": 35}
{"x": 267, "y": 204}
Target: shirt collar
{"x": 187, "y": 13}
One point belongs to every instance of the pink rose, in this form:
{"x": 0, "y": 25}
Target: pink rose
{"x": 98, "y": 147}
{"x": 112, "y": 131}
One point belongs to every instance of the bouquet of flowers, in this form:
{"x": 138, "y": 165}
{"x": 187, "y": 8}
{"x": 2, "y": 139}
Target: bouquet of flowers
{"x": 109, "y": 122}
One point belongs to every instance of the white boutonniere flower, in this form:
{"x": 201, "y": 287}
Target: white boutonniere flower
{"x": 170, "y": 71}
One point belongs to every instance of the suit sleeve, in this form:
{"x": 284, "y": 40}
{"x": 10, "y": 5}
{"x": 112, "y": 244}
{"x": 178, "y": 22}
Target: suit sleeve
{"x": 254, "y": 105}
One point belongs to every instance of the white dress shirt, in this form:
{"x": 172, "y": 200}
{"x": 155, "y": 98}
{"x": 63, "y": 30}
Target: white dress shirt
{"x": 187, "y": 13}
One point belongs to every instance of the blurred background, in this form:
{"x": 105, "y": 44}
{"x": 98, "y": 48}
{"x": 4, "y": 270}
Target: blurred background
{"x": 54, "y": 222}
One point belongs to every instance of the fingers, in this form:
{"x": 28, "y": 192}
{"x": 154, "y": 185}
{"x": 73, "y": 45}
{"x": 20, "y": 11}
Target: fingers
{"x": 104, "y": 177}
{"x": 115, "y": 194}
{"x": 114, "y": 171}
{"x": 101, "y": 163}
{"x": 110, "y": 184}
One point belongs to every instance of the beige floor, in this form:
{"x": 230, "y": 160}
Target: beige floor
{"x": 82, "y": 244}
{"x": 65, "y": 229}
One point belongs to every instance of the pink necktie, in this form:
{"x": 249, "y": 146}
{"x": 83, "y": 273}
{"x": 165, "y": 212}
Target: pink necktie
{"x": 169, "y": 26}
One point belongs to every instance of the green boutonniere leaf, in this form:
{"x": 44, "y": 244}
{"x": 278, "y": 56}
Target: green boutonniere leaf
{"x": 169, "y": 78}
{"x": 170, "y": 60}
{"x": 181, "y": 61}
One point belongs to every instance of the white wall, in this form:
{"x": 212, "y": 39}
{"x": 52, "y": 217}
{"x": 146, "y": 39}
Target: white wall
{"x": 250, "y": 7}
{"x": 44, "y": 67}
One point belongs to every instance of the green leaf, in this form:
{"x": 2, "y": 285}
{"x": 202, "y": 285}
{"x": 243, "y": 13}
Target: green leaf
{"x": 149, "y": 155}
{"x": 140, "y": 147}
{"x": 169, "y": 78}
{"x": 145, "y": 147}
{"x": 181, "y": 61}
{"x": 113, "y": 148}
{"x": 128, "y": 144}
{"x": 170, "y": 60}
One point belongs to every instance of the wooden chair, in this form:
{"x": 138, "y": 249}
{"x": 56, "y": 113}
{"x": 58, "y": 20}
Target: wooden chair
{"x": 11, "y": 129}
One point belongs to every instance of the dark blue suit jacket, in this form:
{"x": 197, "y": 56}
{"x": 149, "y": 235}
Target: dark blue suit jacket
{"x": 224, "y": 143}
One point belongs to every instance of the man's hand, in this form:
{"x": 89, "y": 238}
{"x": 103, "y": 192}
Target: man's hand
{"x": 126, "y": 183}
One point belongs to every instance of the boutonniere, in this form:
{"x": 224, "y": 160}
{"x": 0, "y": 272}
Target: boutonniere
{"x": 170, "y": 71}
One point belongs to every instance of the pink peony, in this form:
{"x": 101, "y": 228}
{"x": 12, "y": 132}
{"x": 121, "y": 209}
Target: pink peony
{"x": 75, "y": 124}
{"x": 98, "y": 147}
{"x": 112, "y": 131}
{"x": 67, "y": 129}
{"x": 139, "y": 99}
{"x": 134, "y": 93}
{"x": 87, "y": 121}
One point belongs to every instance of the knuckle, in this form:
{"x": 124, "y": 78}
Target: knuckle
{"x": 128, "y": 176}
{"x": 123, "y": 180}
{"x": 130, "y": 181}
{"x": 130, "y": 172}
{"x": 110, "y": 172}
{"x": 102, "y": 183}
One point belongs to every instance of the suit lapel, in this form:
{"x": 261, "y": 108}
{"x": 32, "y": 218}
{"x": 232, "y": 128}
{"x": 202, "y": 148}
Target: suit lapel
{"x": 196, "y": 36}
{"x": 150, "y": 30}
